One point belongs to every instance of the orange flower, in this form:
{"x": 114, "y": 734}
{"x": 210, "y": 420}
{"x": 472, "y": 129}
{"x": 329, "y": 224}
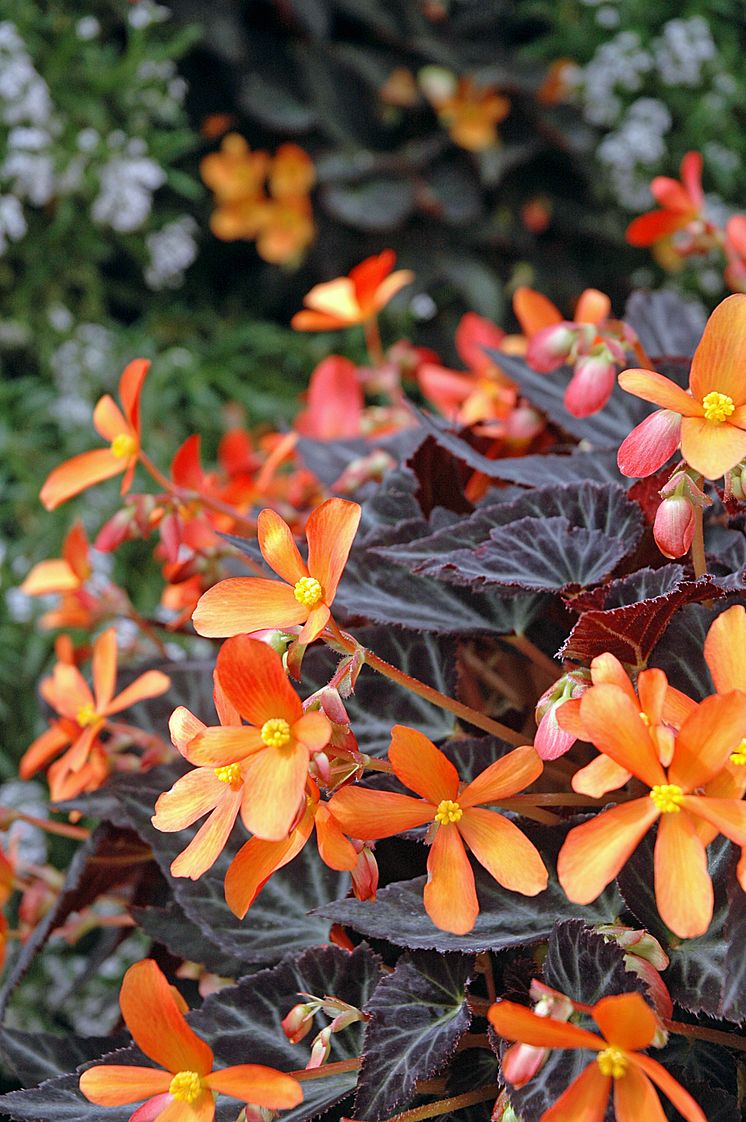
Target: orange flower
{"x": 681, "y": 204}
{"x": 64, "y": 574}
{"x": 712, "y": 425}
{"x": 244, "y": 604}
{"x": 457, "y": 819}
{"x": 183, "y": 1087}
{"x": 83, "y": 716}
{"x": 273, "y": 751}
{"x": 258, "y": 859}
{"x": 235, "y": 172}
{"x": 594, "y": 852}
{"x": 470, "y": 112}
{"x": 354, "y": 299}
{"x": 121, "y": 429}
{"x": 627, "y": 1025}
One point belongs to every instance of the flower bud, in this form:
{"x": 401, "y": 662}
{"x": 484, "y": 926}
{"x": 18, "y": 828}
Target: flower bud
{"x": 321, "y": 1048}
{"x": 592, "y": 383}
{"x": 551, "y": 741}
{"x": 365, "y": 874}
{"x": 735, "y": 482}
{"x": 551, "y": 347}
{"x": 674, "y": 526}
{"x": 298, "y": 1021}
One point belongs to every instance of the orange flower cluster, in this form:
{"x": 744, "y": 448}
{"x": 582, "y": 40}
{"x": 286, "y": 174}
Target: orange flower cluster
{"x": 470, "y": 112}
{"x": 262, "y": 198}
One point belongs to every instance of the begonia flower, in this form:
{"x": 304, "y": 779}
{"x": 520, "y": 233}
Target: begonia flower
{"x": 353, "y": 299}
{"x": 681, "y": 203}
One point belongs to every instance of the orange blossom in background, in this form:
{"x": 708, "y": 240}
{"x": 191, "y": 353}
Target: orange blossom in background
{"x": 354, "y": 299}
{"x": 681, "y": 204}
{"x": 457, "y": 820}
{"x": 183, "y": 1087}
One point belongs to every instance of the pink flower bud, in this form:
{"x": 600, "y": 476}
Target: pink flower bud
{"x": 591, "y": 385}
{"x": 551, "y": 740}
{"x": 320, "y": 1048}
{"x": 365, "y": 874}
{"x": 650, "y": 444}
{"x": 674, "y": 525}
{"x": 551, "y": 347}
{"x": 298, "y": 1022}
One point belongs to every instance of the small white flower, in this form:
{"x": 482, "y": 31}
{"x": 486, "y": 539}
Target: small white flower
{"x": 145, "y": 12}
{"x": 126, "y": 192}
{"x": 87, "y": 27}
{"x": 172, "y": 250}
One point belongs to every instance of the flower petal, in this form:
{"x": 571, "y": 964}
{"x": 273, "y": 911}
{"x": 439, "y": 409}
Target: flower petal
{"x": 635, "y": 1098}
{"x": 516, "y": 1022}
{"x": 191, "y": 796}
{"x": 255, "y": 1083}
{"x": 278, "y": 547}
{"x": 710, "y": 448}
{"x": 614, "y": 725}
{"x": 533, "y": 311}
{"x": 651, "y": 444}
{"x": 727, "y": 815}
{"x": 389, "y": 287}
{"x": 719, "y": 362}
{"x": 130, "y": 388}
{"x": 725, "y": 650}
{"x": 592, "y": 307}
{"x": 119, "y": 1084}
{"x": 334, "y": 848}
{"x": 209, "y": 841}
{"x": 306, "y": 320}
{"x": 157, "y": 1023}
{"x": 184, "y": 726}
{"x": 202, "y": 1110}
{"x": 330, "y": 531}
{"x": 104, "y": 666}
{"x": 217, "y": 747}
{"x": 79, "y": 473}
{"x": 650, "y": 228}
{"x": 336, "y": 299}
{"x": 317, "y": 620}
{"x": 706, "y": 739}
{"x": 450, "y": 895}
{"x": 108, "y": 419}
{"x": 422, "y": 767}
{"x": 43, "y": 749}
{"x": 504, "y": 851}
{"x": 683, "y": 889}
{"x": 504, "y": 777}
{"x": 370, "y": 815}
{"x": 651, "y": 386}
{"x": 150, "y": 684}
{"x": 594, "y": 852}
{"x": 312, "y": 730}
{"x": 626, "y": 1020}
{"x": 239, "y": 605}
{"x": 680, "y": 1098}
{"x": 255, "y": 863}
{"x": 50, "y": 576}
{"x": 275, "y": 779}
{"x": 252, "y": 677}
{"x": 585, "y": 1100}
{"x": 599, "y": 777}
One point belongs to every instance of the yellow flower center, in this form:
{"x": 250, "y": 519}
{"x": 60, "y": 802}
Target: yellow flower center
{"x": 645, "y": 719}
{"x": 275, "y": 732}
{"x": 123, "y": 446}
{"x": 86, "y": 715}
{"x": 717, "y": 406}
{"x": 448, "y": 811}
{"x": 613, "y": 1062}
{"x": 229, "y": 773}
{"x": 667, "y": 797}
{"x": 739, "y": 756}
{"x": 308, "y": 592}
{"x": 186, "y": 1087}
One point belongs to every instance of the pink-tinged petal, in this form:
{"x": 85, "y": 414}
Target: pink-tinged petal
{"x": 450, "y": 895}
{"x": 152, "y": 1109}
{"x": 239, "y": 605}
{"x": 590, "y": 387}
{"x": 474, "y": 336}
{"x": 635, "y": 1098}
{"x": 725, "y": 650}
{"x": 255, "y": 863}
{"x": 585, "y": 1100}
{"x": 534, "y": 312}
{"x": 78, "y": 474}
{"x": 253, "y": 679}
{"x": 706, "y": 739}
{"x": 719, "y": 362}
{"x": 119, "y": 1084}
{"x": 614, "y": 725}
{"x": 130, "y": 388}
{"x": 156, "y": 1022}
{"x": 313, "y": 730}
{"x": 184, "y": 726}
{"x": 711, "y": 449}
{"x": 503, "y": 778}
{"x": 334, "y": 401}
{"x": 516, "y": 1022}
{"x": 728, "y": 816}
{"x": 186, "y": 466}
{"x": 599, "y": 777}
{"x": 334, "y": 848}
{"x": 683, "y": 889}
{"x": 104, "y": 666}
{"x": 216, "y": 747}
{"x": 317, "y": 620}
{"x": 330, "y": 531}
{"x": 191, "y": 797}
{"x": 552, "y": 740}
{"x": 446, "y": 389}
{"x": 594, "y": 852}
{"x": 276, "y": 779}
{"x": 278, "y": 547}
{"x": 650, "y": 445}
{"x": 673, "y": 1091}
{"x": 370, "y": 815}
{"x": 108, "y": 419}
{"x": 152, "y": 683}
{"x": 691, "y": 177}
{"x": 504, "y": 851}
{"x": 592, "y": 307}
{"x": 209, "y": 841}
{"x": 255, "y": 1083}
{"x": 422, "y": 767}
{"x": 626, "y": 1020}
{"x": 654, "y": 387}
{"x": 202, "y": 1110}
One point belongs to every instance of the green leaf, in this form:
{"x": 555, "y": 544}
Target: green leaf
{"x": 418, "y": 1015}
{"x": 34, "y": 1056}
{"x": 379, "y": 205}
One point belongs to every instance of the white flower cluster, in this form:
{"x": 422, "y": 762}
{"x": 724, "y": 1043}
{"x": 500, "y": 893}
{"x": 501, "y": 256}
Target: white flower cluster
{"x": 618, "y": 65}
{"x": 172, "y": 250}
{"x": 126, "y": 184}
{"x": 682, "y": 51}
{"x": 81, "y": 365}
{"x": 636, "y": 147}
{"x": 27, "y": 170}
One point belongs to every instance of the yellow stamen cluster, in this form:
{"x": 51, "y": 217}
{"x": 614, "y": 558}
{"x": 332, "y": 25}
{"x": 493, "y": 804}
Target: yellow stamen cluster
{"x": 667, "y": 797}
{"x": 275, "y": 732}
{"x": 123, "y": 446}
{"x": 717, "y": 406}
{"x": 186, "y": 1087}
{"x": 229, "y": 773}
{"x": 86, "y": 715}
{"x": 308, "y": 592}
{"x": 448, "y": 811}
{"x": 739, "y": 756}
{"x": 613, "y": 1062}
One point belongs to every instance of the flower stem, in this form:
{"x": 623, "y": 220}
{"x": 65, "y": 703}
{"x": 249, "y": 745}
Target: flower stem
{"x": 373, "y": 341}
{"x": 699, "y": 1032}
{"x": 62, "y": 829}
{"x": 446, "y": 1106}
{"x": 698, "y": 543}
{"x": 185, "y": 495}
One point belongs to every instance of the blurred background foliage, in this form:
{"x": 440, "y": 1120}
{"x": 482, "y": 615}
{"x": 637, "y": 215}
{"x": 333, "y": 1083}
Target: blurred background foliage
{"x": 491, "y": 143}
